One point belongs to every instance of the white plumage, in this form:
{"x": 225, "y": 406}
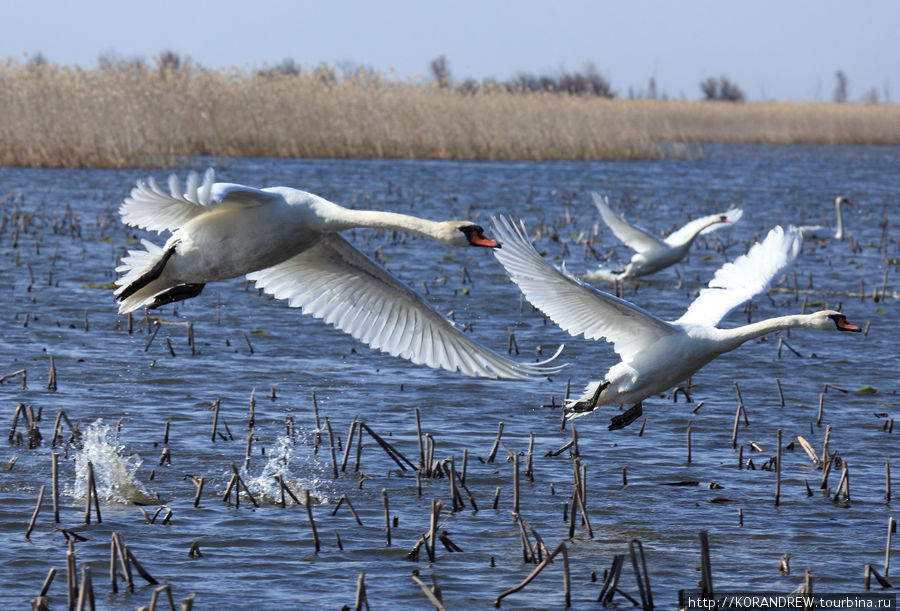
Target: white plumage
{"x": 287, "y": 242}
{"x": 651, "y": 253}
{"x": 655, "y": 355}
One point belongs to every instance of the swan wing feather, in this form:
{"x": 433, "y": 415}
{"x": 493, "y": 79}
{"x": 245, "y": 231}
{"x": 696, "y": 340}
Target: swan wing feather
{"x": 703, "y": 226}
{"x": 742, "y": 279}
{"x": 636, "y": 238}
{"x": 576, "y": 307}
{"x": 149, "y": 207}
{"x": 339, "y": 284}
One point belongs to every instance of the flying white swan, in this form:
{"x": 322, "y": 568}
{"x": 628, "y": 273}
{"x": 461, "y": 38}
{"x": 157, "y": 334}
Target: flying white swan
{"x": 653, "y": 254}
{"x": 820, "y": 231}
{"x": 656, "y": 355}
{"x": 287, "y": 242}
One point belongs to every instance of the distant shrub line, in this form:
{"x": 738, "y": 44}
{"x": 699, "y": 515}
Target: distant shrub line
{"x": 129, "y": 115}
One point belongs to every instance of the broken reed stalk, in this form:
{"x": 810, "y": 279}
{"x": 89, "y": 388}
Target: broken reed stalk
{"x": 345, "y": 499}
{"x": 432, "y": 531}
{"x": 566, "y": 584}
{"x": 706, "y": 585}
{"x": 37, "y": 510}
{"x": 780, "y": 393}
{"x": 71, "y": 575}
{"x": 887, "y": 480}
{"x": 51, "y": 378}
{"x": 86, "y": 592}
{"x": 455, "y": 497}
{"x": 334, "y": 466}
{"x": 284, "y": 488}
{"x": 215, "y": 419}
{"x": 516, "y": 483}
{"x": 431, "y": 594}
{"x": 493, "y": 452}
{"x": 641, "y": 575}
{"x": 347, "y": 445}
{"x": 387, "y": 516}
{"x": 117, "y": 553}
{"x": 251, "y": 418}
{"x": 199, "y": 483}
{"x": 48, "y": 581}
{"x": 54, "y": 483}
{"x": 167, "y": 588}
{"x": 892, "y": 528}
{"x": 139, "y": 567}
{"x": 391, "y": 451}
{"x": 529, "y": 463}
{"x": 361, "y": 592}
{"x": 778, "y": 469}
{"x": 689, "y": 443}
{"x": 307, "y": 499}
{"x": 577, "y": 501}
{"x": 359, "y": 448}
{"x": 318, "y": 434}
{"x": 419, "y": 440}
{"x": 527, "y": 552}
{"x": 91, "y": 490}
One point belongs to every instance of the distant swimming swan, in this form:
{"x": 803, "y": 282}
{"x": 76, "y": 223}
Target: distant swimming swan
{"x": 287, "y": 242}
{"x": 821, "y": 232}
{"x": 653, "y": 254}
{"x": 656, "y": 355}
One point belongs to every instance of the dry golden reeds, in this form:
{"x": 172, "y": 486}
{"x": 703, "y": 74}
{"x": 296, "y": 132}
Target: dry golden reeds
{"x": 114, "y": 116}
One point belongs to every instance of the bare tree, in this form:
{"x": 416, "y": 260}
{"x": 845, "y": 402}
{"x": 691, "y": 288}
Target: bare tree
{"x": 841, "y": 89}
{"x": 171, "y": 60}
{"x": 441, "y": 71}
{"x": 721, "y": 89}
{"x": 710, "y": 88}
{"x": 871, "y": 96}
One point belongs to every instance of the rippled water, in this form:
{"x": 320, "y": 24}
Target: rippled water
{"x": 122, "y": 394}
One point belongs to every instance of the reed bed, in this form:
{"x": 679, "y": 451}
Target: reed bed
{"x": 59, "y": 116}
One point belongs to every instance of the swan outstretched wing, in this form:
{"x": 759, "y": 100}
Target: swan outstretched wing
{"x": 574, "y": 306}
{"x": 634, "y": 237}
{"x": 744, "y": 278}
{"x": 150, "y": 207}
{"x": 339, "y": 284}
{"x": 680, "y": 236}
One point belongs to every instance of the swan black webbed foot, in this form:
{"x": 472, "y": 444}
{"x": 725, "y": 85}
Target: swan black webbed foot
{"x": 176, "y": 293}
{"x": 627, "y": 417}
{"x": 582, "y": 407}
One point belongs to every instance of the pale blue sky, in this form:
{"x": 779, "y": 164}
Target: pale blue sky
{"x": 773, "y": 49}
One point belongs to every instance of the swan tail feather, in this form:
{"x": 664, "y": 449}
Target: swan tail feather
{"x": 139, "y": 282}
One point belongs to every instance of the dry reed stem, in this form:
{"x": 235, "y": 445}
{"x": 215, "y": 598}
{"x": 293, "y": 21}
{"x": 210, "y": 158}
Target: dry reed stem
{"x": 431, "y": 594}
{"x": 559, "y": 548}
{"x": 37, "y": 510}
{"x": 86, "y": 592}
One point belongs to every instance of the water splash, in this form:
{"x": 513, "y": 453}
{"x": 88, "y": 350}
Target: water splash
{"x": 281, "y": 460}
{"x": 114, "y": 471}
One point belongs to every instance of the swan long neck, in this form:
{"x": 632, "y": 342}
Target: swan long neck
{"x": 345, "y": 218}
{"x": 732, "y": 338}
{"x": 690, "y": 239}
{"x": 839, "y": 234}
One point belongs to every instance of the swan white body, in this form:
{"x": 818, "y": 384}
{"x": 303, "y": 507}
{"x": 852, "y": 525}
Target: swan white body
{"x": 287, "y": 242}
{"x": 656, "y": 355}
{"x": 651, "y": 253}
{"x": 820, "y": 232}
